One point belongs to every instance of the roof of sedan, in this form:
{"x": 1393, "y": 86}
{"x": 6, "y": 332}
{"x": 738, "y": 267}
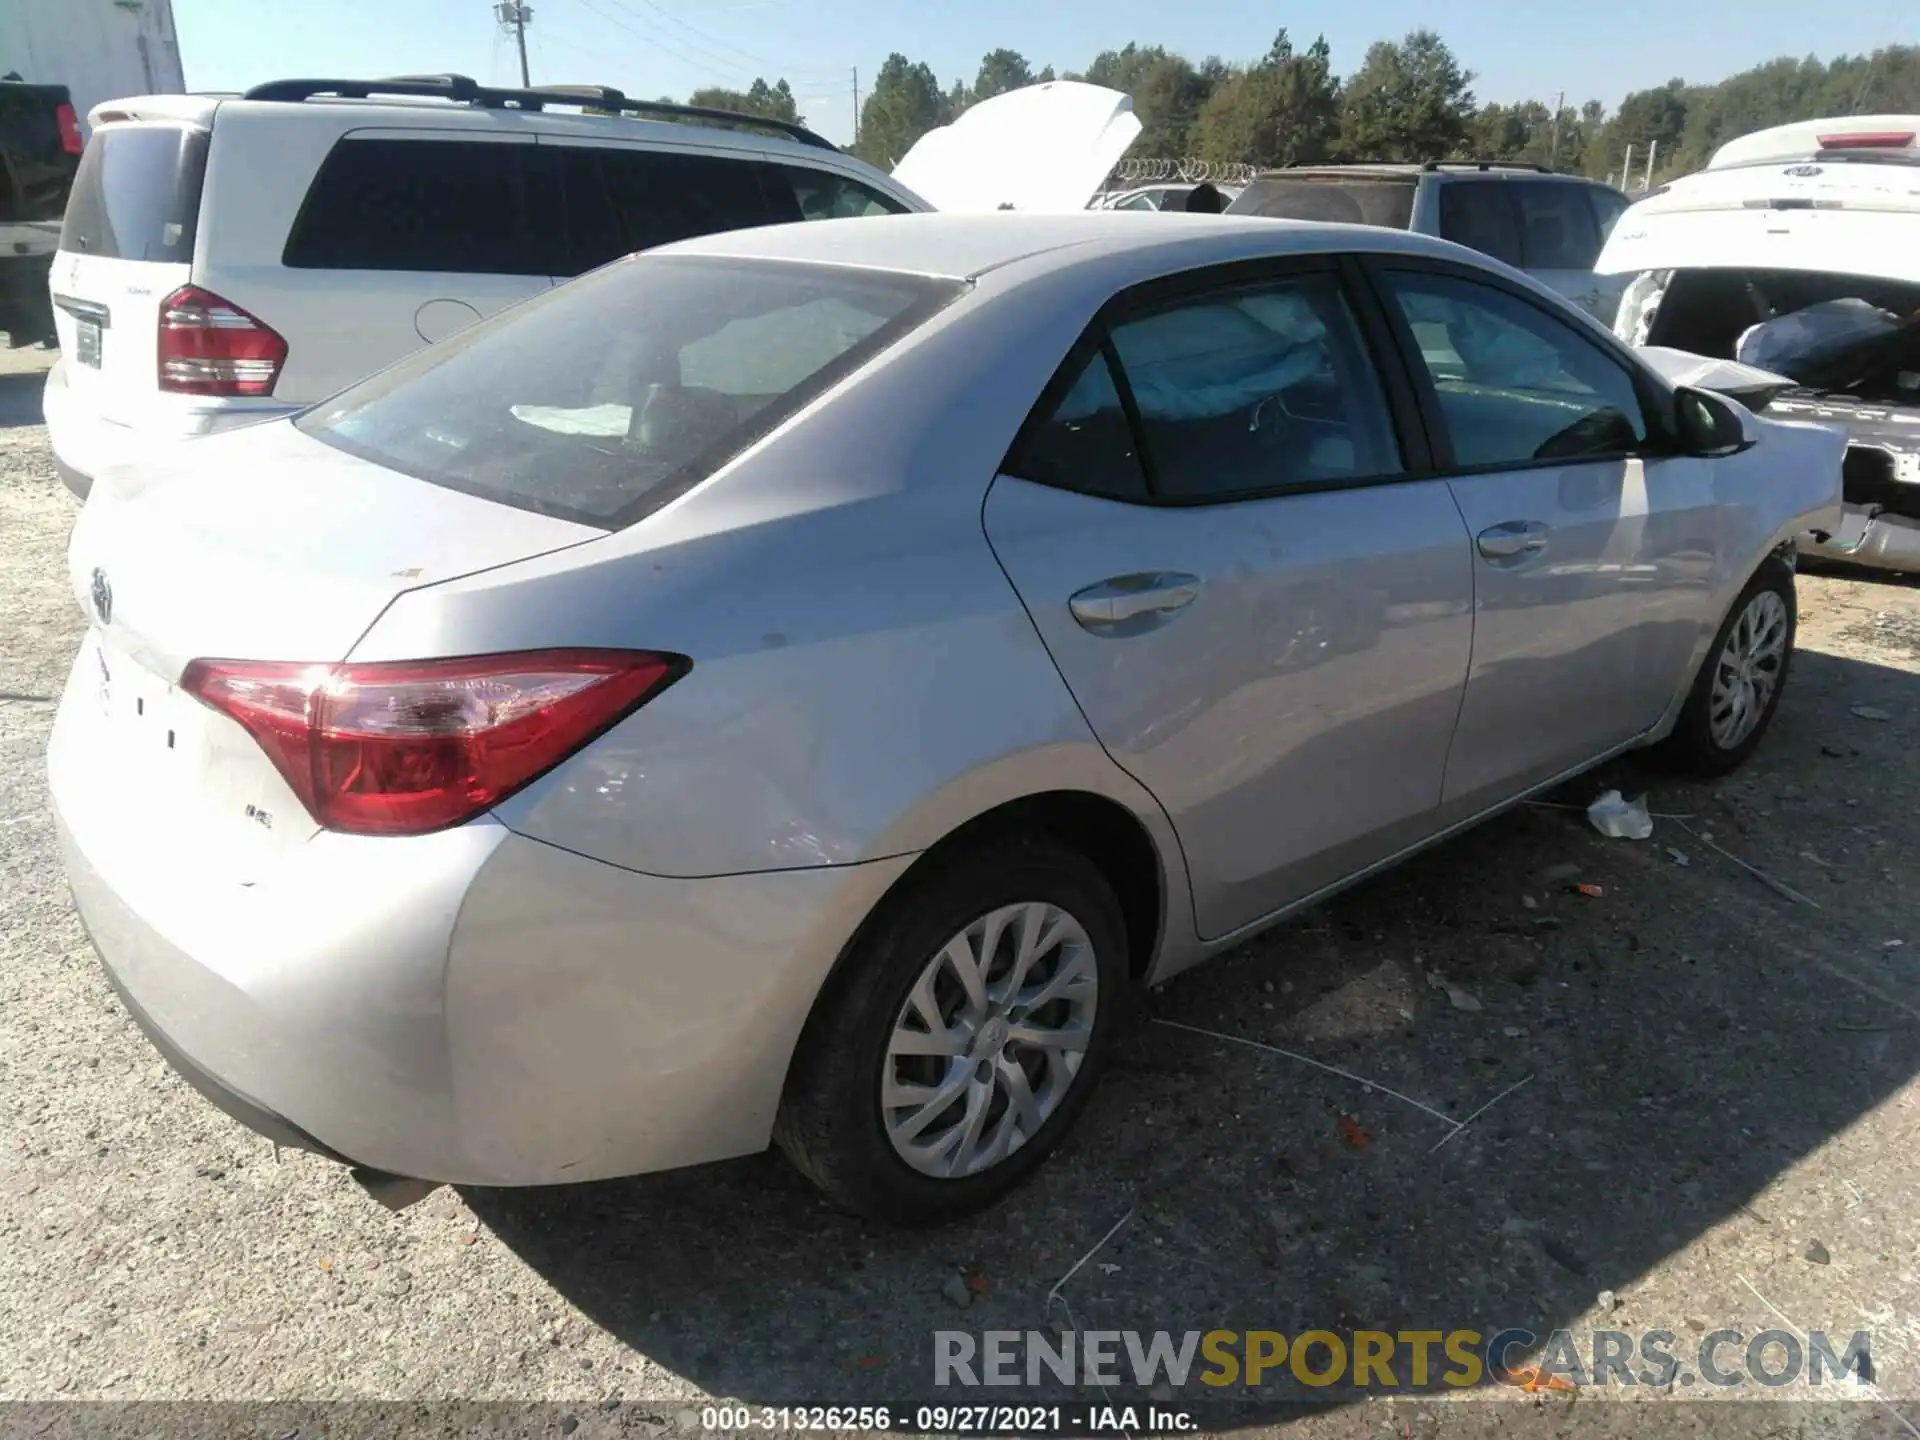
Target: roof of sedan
{"x": 964, "y": 246}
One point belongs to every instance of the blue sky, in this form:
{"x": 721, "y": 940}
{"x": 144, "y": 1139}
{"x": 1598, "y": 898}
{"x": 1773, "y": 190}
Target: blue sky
{"x": 669, "y": 47}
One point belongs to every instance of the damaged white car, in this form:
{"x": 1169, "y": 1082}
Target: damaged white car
{"x": 1796, "y": 255}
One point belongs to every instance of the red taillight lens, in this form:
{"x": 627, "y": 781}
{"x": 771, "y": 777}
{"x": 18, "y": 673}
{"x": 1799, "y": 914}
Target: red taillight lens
{"x": 69, "y": 124}
{"x": 1870, "y": 140}
{"x": 209, "y": 346}
{"x": 402, "y": 749}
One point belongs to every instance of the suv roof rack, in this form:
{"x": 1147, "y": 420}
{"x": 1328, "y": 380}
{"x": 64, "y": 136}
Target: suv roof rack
{"x": 1433, "y": 165}
{"x": 464, "y": 90}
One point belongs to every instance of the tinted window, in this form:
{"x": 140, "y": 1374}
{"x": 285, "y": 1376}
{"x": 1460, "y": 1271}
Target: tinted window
{"x": 1556, "y": 226}
{"x": 1367, "y": 200}
{"x": 1086, "y": 443}
{"x": 1254, "y": 390}
{"x": 137, "y": 194}
{"x": 822, "y": 196}
{"x": 448, "y": 205}
{"x": 1479, "y": 215}
{"x": 603, "y": 399}
{"x": 1608, "y": 207}
{"x": 661, "y": 197}
{"x": 1516, "y": 385}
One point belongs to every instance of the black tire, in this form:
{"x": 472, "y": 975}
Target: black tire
{"x": 830, "y": 1123}
{"x": 1692, "y": 746}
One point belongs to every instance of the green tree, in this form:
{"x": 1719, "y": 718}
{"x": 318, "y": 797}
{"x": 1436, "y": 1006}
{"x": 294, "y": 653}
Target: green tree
{"x": 906, "y": 102}
{"x": 1282, "y": 110}
{"x": 1409, "y": 101}
{"x": 1000, "y": 71}
{"x": 774, "y": 101}
{"x": 1167, "y": 94}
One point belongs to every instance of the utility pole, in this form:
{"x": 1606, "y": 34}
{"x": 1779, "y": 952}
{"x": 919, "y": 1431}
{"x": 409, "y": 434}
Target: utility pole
{"x": 516, "y": 16}
{"x": 1553, "y": 150}
{"x": 856, "y": 104}
{"x": 1653, "y": 148}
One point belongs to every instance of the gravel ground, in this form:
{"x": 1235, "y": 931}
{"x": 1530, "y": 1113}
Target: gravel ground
{"x": 1716, "y": 1082}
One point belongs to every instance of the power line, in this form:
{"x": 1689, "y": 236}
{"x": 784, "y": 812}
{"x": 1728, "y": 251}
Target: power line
{"x": 724, "y": 45}
{"x": 726, "y": 62}
{"x": 729, "y": 71}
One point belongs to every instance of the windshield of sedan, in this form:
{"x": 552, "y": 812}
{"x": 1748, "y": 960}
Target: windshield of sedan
{"x": 603, "y": 399}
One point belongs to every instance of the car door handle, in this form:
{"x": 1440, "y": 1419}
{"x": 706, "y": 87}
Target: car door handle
{"x": 1512, "y": 538}
{"x": 1142, "y": 599}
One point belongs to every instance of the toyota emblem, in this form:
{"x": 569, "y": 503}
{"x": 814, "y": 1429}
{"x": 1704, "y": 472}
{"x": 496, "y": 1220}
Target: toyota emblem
{"x": 1804, "y": 172}
{"x": 102, "y": 597}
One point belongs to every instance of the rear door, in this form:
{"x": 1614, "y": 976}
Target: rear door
{"x": 405, "y": 236}
{"x": 1595, "y": 548}
{"x": 126, "y": 244}
{"x": 1220, "y": 521}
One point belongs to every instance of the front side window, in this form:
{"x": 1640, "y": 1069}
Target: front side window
{"x": 1556, "y": 226}
{"x": 1515, "y": 385}
{"x": 1608, "y": 207}
{"x": 825, "y": 196}
{"x": 602, "y": 399}
{"x": 1479, "y": 215}
{"x": 1254, "y": 390}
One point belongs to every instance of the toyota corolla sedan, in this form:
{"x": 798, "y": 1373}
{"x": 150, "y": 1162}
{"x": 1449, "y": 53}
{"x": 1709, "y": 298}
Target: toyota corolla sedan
{"x": 794, "y": 685}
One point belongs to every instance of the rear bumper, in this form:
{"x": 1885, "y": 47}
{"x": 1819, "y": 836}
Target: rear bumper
{"x": 472, "y": 1006}
{"x": 85, "y": 442}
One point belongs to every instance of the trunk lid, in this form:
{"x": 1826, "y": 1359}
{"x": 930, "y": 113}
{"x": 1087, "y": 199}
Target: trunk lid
{"x": 259, "y": 544}
{"x": 266, "y": 544}
{"x": 126, "y": 245}
{"x": 1045, "y": 148}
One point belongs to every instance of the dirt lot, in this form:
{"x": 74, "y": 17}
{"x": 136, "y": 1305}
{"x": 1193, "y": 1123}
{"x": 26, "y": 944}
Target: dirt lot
{"x": 1717, "y": 1125}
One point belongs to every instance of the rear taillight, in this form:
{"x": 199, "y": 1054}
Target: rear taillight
{"x": 405, "y": 748}
{"x": 69, "y": 123}
{"x": 210, "y": 346}
{"x": 1868, "y": 140}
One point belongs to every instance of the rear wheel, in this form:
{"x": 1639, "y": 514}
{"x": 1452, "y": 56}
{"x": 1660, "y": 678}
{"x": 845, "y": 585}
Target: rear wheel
{"x": 962, "y": 1036}
{"x": 1738, "y": 689}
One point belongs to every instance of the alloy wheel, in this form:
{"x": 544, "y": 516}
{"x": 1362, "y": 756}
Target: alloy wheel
{"x": 1748, "y": 669}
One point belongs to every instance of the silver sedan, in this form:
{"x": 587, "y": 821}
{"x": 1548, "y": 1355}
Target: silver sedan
{"x": 790, "y": 686}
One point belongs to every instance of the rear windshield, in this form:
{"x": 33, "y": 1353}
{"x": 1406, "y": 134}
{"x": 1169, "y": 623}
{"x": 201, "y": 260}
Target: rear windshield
{"x": 604, "y": 398}
{"x": 1360, "y": 200}
{"x": 137, "y": 194}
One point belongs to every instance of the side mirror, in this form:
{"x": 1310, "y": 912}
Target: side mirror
{"x": 1710, "y": 424}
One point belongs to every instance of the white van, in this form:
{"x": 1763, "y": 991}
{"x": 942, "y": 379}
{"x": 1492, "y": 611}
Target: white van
{"x": 229, "y": 259}
{"x": 1797, "y": 251}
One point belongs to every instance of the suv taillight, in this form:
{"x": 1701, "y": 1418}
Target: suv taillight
{"x": 69, "y": 124}
{"x": 405, "y": 748}
{"x": 210, "y": 346}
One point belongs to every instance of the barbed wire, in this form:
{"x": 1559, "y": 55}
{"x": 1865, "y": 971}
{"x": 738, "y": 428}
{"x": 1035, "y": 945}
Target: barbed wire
{"x": 1185, "y": 170}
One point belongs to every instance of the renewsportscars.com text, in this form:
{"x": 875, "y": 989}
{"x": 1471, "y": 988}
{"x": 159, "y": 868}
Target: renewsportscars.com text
{"x": 1404, "y": 1360}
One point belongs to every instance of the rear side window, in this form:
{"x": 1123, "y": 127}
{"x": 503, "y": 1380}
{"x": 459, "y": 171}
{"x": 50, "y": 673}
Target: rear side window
{"x": 1479, "y": 215}
{"x": 1556, "y": 226}
{"x": 822, "y": 196}
{"x": 1368, "y": 200}
{"x": 137, "y": 194}
{"x": 1086, "y": 442}
{"x": 455, "y": 206}
{"x": 660, "y": 196}
{"x": 603, "y": 399}
{"x": 1256, "y": 390}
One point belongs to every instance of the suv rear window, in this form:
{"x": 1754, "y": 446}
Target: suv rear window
{"x": 136, "y": 195}
{"x": 603, "y": 399}
{"x": 1349, "y": 200}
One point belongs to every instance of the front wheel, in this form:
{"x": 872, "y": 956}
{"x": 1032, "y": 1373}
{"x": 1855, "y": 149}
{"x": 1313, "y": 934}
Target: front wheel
{"x": 959, "y": 1041}
{"x": 1738, "y": 689}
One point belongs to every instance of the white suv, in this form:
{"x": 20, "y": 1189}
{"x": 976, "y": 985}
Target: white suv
{"x": 229, "y": 259}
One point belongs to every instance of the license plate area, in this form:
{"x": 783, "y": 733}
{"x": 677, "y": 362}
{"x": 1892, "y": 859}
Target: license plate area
{"x": 86, "y": 343}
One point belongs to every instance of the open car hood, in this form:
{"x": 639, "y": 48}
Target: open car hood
{"x": 1044, "y": 148}
{"x": 1851, "y": 217}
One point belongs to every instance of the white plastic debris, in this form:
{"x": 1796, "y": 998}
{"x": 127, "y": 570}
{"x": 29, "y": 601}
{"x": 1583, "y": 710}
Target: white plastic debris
{"x": 1461, "y": 999}
{"x": 1869, "y": 712}
{"x": 1680, "y": 857}
{"x": 1620, "y": 819}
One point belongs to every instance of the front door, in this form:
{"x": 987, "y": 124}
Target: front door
{"x": 1263, "y": 615}
{"x": 1593, "y": 551}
